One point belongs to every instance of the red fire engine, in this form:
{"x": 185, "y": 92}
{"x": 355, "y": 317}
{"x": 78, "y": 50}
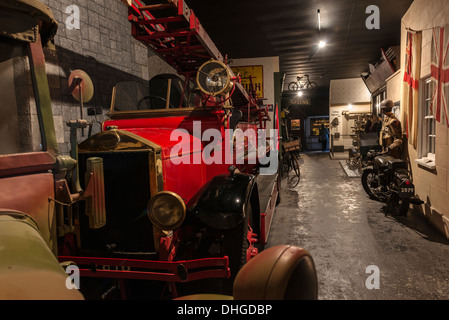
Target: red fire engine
{"x": 182, "y": 160}
{"x": 173, "y": 196}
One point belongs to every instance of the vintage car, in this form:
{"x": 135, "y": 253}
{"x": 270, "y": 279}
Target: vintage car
{"x": 31, "y": 168}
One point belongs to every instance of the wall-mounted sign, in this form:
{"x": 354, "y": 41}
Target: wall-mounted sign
{"x": 295, "y": 124}
{"x": 250, "y": 74}
{"x": 335, "y": 113}
{"x": 300, "y": 101}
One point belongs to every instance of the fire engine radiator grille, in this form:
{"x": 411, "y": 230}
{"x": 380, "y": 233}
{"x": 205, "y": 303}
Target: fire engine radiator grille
{"x": 127, "y": 191}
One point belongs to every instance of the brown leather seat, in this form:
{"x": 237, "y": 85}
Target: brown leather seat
{"x": 283, "y": 272}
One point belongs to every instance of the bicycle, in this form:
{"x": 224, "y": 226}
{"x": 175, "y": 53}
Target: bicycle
{"x": 290, "y": 161}
{"x": 297, "y": 85}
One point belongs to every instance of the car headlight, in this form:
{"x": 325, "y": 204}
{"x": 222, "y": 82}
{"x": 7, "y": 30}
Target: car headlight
{"x": 166, "y": 210}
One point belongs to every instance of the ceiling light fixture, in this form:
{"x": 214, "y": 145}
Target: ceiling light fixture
{"x": 319, "y": 19}
{"x": 322, "y": 43}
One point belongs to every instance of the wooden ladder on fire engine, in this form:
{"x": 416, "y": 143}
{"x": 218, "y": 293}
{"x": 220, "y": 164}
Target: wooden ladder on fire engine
{"x": 172, "y": 30}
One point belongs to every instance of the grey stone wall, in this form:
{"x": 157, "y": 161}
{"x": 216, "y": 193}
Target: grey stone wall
{"x": 104, "y": 48}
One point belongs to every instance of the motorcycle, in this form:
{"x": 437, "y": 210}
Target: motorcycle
{"x": 388, "y": 181}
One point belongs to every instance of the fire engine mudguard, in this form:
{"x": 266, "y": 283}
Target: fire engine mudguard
{"x": 221, "y": 202}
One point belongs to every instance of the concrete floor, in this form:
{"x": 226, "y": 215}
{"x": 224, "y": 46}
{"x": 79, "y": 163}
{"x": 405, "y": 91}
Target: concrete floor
{"x": 329, "y": 214}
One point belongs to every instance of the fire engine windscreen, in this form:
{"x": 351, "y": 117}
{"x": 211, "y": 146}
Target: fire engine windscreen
{"x": 166, "y": 210}
{"x": 163, "y": 91}
{"x": 214, "y": 78}
{"x": 130, "y": 95}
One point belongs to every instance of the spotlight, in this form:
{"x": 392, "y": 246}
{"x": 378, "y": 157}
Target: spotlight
{"x": 322, "y": 44}
{"x": 319, "y": 19}
{"x": 299, "y": 93}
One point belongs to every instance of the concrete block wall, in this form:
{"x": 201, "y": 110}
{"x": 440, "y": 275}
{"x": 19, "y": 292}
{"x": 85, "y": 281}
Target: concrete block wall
{"x": 432, "y": 186}
{"x": 104, "y": 48}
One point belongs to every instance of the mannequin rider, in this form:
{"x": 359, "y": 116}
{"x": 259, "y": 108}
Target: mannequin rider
{"x": 391, "y": 134}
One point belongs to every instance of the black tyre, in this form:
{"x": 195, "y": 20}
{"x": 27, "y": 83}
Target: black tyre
{"x": 404, "y": 206}
{"x": 293, "y": 86}
{"x": 279, "y": 180}
{"x": 398, "y": 206}
{"x": 232, "y": 243}
{"x": 295, "y": 165}
{"x": 235, "y": 245}
{"x": 278, "y": 199}
{"x": 285, "y": 169}
{"x": 312, "y": 85}
{"x": 369, "y": 183}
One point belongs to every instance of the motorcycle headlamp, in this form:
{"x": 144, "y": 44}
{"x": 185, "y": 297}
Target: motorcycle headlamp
{"x": 166, "y": 210}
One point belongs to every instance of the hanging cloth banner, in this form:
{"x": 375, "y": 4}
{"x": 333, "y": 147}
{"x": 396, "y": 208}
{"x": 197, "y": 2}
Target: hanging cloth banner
{"x": 410, "y": 97}
{"x": 440, "y": 74}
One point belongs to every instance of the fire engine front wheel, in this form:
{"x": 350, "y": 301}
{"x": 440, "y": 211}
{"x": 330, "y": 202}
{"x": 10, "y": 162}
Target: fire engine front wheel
{"x": 237, "y": 245}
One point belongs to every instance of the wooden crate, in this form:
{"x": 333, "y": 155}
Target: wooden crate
{"x": 291, "y": 145}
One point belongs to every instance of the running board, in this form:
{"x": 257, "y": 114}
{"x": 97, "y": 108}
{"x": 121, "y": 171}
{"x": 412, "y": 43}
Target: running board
{"x": 268, "y": 193}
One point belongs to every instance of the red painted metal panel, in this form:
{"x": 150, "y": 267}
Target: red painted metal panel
{"x": 36, "y": 192}
{"x": 152, "y": 28}
{"x": 159, "y": 130}
{"x": 26, "y": 163}
{"x": 172, "y": 271}
{"x": 193, "y": 168}
{"x": 184, "y": 179}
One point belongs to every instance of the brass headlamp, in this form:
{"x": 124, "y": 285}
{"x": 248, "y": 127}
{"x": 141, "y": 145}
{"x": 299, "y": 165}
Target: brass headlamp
{"x": 214, "y": 78}
{"x": 166, "y": 210}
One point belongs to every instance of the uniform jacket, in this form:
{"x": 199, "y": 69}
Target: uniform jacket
{"x": 391, "y": 135}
